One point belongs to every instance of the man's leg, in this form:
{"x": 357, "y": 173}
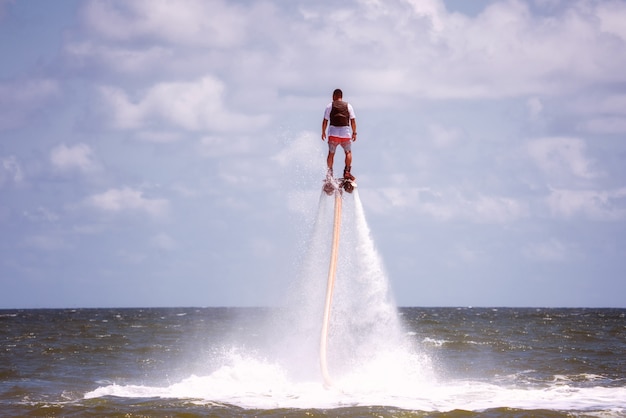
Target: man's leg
{"x": 346, "y": 171}
{"x": 332, "y": 147}
{"x": 329, "y": 160}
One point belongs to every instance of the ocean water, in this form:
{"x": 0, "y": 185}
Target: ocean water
{"x": 384, "y": 361}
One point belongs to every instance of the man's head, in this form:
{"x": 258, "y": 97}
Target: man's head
{"x": 337, "y": 94}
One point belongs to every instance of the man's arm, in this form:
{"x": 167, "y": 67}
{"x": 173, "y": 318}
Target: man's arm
{"x": 353, "y": 124}
{"x": 324, "y": 126}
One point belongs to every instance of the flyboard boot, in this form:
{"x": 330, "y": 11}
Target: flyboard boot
{"x": 348, "y": 182}
{"x": 347, "y": 175}
{"x": 329, "y": 183}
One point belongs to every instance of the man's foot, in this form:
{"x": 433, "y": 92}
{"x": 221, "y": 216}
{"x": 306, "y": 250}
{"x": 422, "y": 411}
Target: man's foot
{"x": 329, "y": 173}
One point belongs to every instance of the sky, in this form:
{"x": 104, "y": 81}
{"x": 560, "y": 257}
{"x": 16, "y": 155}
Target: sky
{"x": 168, "y": 153}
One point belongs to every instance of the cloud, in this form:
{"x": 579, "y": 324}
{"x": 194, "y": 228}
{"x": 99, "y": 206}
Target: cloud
{"x": 208, "y": 23}
{"x": 433, "y": 10}
{"x": 420, "y": 48}
{"x": 127, "y": 199}
{"x": 78, "y": 157}
{"x": 460, "y": 57}
{"x": 482, "y": 209}
{"x": 612, "y": 15}
{"x": 603, "y": 205}
{"x": 453, "y": 205}
{"x": 562, "y": 158}
{"x": 11, "y": 172}
{"x": 194, "y": 106}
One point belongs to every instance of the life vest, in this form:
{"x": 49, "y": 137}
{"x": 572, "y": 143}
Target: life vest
{"x": 339, "y": 113}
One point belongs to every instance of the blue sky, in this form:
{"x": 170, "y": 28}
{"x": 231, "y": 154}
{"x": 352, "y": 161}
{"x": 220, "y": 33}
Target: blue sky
{"x": 157, "y": 153}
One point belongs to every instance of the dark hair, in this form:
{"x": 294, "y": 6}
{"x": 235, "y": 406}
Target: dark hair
{"x": 337, "y": 93}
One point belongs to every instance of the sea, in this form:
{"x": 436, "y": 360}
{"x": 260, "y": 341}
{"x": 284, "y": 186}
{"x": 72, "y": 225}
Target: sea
{"x": 383, "y": 360}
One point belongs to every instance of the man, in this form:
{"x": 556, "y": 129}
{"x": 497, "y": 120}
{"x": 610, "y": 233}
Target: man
{"x": 342, "y": 131}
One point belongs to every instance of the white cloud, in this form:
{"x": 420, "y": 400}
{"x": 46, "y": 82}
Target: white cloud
{"x": 482, "y": 209}
{"x": 195, "y": 106}
{"x": 10, "y": 171}
{"x": 421, "y": 49}
{"x": 210, "y": 23}
{"x": 612, "y": 15}
{"x": 454, "y": 205}
{"x": 78, "y": 157}
{"x": 466, "y": 60}
{"x": 124, "y": 114}
{"x": 127, "y": 199}
{"x": 432, "y": 10}
{"x": 562, "y": 158}
{"x": 603, "y": 205}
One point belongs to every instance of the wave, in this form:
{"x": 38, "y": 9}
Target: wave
{"x": 253, "y": 383}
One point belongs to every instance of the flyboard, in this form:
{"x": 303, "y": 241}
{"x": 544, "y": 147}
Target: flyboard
{"x": 332, "y": 185}
{"x": 336, "y": 187}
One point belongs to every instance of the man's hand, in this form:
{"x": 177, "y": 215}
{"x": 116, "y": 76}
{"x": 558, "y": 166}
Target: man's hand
{"x": 323, "y": 136}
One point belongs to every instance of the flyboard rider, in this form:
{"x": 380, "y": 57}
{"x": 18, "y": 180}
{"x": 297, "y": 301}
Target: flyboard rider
{"x": 342, "y": 131}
